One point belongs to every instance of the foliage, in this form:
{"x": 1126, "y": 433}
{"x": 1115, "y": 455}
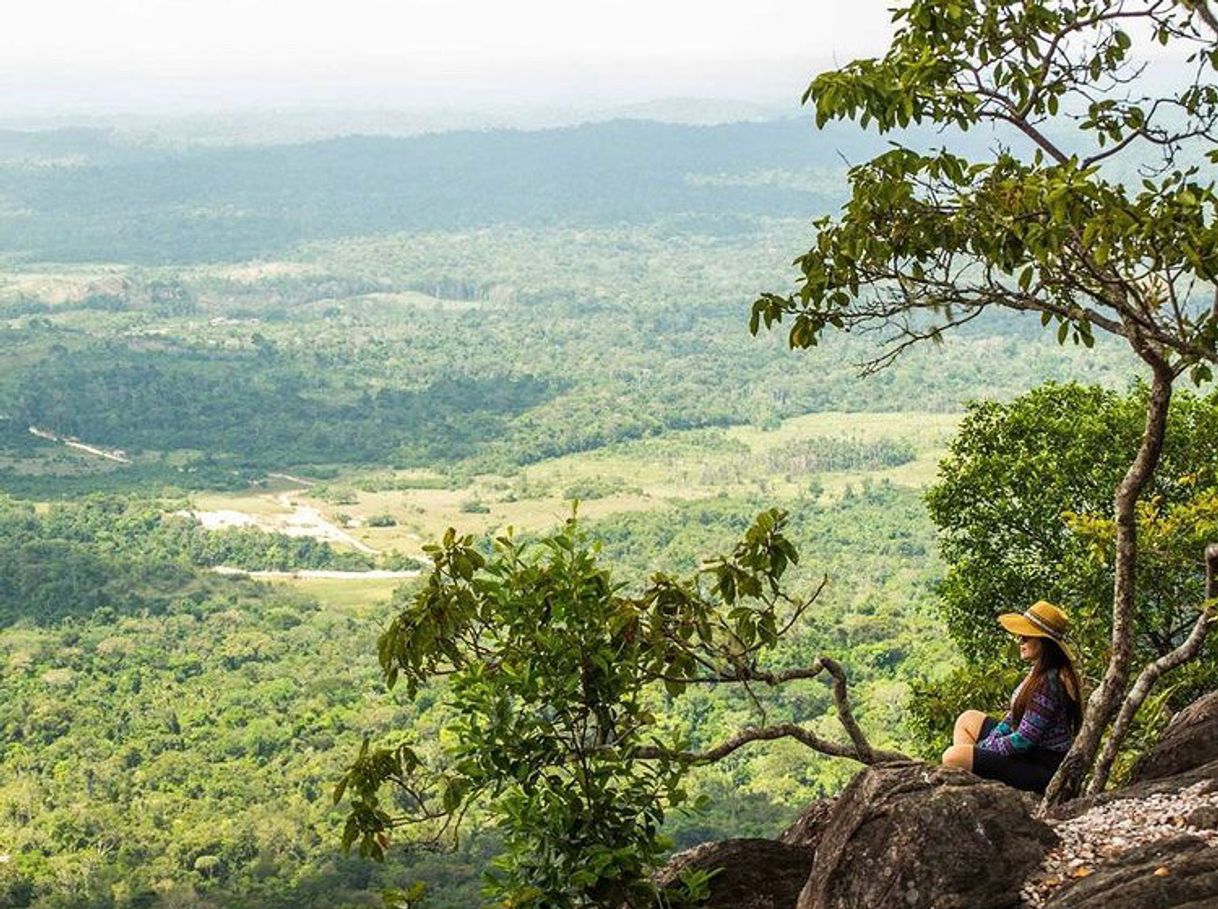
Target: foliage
{"x": 598, "y": 488}
{"x": 155, "y": 204}
{"x": 1022, "y": 505}
{"x": 105, "y": 806}
{"x": 128, "y": 553}
{"x": 334, "y": 358}
{"x": 549, "y": 668}
{"x": 179, "y": 755}
{"x": 342, "y": 352}
{"x": 929, "y": 240}
{"x": 186, "y": 399}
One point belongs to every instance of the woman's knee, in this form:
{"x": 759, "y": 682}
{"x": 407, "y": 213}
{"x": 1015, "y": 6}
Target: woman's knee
{"x": 959, "y": 756}
{"x": 969, "y": 724}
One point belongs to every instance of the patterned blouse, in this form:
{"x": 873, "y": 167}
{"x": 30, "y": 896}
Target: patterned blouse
{"x": 1045, "y": 722}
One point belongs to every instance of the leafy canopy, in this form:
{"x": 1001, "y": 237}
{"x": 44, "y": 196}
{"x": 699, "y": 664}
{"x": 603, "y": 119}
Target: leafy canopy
{"x": 553, "y": 673}
{"x": 929, "y": 239}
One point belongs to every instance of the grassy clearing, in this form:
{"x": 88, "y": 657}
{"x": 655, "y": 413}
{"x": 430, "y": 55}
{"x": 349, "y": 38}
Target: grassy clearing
{"x": 65, "y": 284}
{"x": 57, "y": 459}
{"x": 635, "y": 476}
{"x": 925, "y": 430}
{"x": 703, "y": 463}
{"x": 264, "y": 501}
{"x": 360, "y": 596}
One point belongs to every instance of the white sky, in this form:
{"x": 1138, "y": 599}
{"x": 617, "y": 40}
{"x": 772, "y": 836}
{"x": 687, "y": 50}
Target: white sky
{"x": 132, "y": 54}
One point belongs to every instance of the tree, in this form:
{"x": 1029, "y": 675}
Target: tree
{"x": 1023, "y": 503}
{"x": 930, "y": 241}
{"x": 555, "y": 677}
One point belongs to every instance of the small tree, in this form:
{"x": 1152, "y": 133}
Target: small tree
{"x": 930, "y": 241}
{"x": 553, "y": 673}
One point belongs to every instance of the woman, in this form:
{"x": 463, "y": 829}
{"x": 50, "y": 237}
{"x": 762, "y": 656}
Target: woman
{"x": 1026, "y": 747}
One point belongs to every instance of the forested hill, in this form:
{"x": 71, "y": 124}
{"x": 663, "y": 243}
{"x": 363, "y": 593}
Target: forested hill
{"x": 93, "y": 195}
{"x": 113, "y": 202}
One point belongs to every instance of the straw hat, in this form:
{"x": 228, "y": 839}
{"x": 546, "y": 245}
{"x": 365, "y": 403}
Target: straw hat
{"x": 1040, "y": 620}
{"x": 1043, "y": 620}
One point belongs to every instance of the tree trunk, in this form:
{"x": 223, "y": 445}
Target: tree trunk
{"x": 1067, "y": 782}
{"x": 1187, "y": 651}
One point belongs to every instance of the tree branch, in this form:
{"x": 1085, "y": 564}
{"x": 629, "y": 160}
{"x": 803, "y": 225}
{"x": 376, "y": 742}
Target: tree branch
{"x": 1206, "y": 15}
{"x": 859, "y": 748}
{"x": 1187, "y": 651}
{"x": 770, "y": 733}
{"x": 844, "y": 714}
{"x": 1067, "y": 781}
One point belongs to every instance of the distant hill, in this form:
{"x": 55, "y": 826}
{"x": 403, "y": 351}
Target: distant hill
{"x": 80, "y": 195}
{"x": 282, "y": 126}
{"x": 103, "y": 194}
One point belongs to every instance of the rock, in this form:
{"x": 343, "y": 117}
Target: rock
{"x": 1190, "y": 740}
{"x": 1204, "y": 776}
{"x": 1204, "y": 818}
{"x": 807, "y": 829}
{"x": 756, "y": 873}
{"x": 908, "y": 834}
{"x": 1181, "y": 872}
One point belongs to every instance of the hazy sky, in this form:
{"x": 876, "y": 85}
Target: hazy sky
{"x": 133, "y": 54}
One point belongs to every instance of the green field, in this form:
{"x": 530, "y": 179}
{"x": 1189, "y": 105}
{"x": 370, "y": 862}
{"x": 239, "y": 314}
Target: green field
{"x": 625, "y": 477}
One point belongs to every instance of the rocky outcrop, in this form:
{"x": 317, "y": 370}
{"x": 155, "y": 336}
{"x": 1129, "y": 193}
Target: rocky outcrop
{"x": 907, "y": 834}
{"x": 1190, "y": 740}
{"x": 807, "y": 829}
{"x": 754, "y": 873}
{"x": 1179, "y": 872}
{"x": 1135, "y": 848}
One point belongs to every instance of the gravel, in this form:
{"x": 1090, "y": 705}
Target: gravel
{"x": 1106, "y": 831}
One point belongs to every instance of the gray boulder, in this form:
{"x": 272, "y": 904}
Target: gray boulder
{"x": 755, "y": 873}
{"x": 807, "y": 829}
{"x": 915, "y": 836}
{"x": 1190, "y": 740}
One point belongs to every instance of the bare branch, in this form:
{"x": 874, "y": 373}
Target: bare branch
{"x": 754, "y": 674}
{"x": 1187, "y": 651}
{"x": 910, "y": 337}
{"x": 1206, "y": 15}
{"x": 841, "y": 697}
{"x": 859, "y": 748}
{"x": 770, "y": 733}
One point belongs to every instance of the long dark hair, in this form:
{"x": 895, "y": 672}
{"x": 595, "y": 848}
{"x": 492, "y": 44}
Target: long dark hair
{"x": 1052, "y": 660}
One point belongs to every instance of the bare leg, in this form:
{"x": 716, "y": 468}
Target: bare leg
{"x": 959, "y": 756}
{"x": 968, "y": 728}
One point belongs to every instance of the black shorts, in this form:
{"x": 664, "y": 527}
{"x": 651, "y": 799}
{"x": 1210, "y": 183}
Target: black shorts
{"x": 1030, "y": 771}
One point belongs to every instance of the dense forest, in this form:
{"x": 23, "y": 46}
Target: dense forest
{"x": 172, "y": 736}
{"x": 467, "y": 352}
